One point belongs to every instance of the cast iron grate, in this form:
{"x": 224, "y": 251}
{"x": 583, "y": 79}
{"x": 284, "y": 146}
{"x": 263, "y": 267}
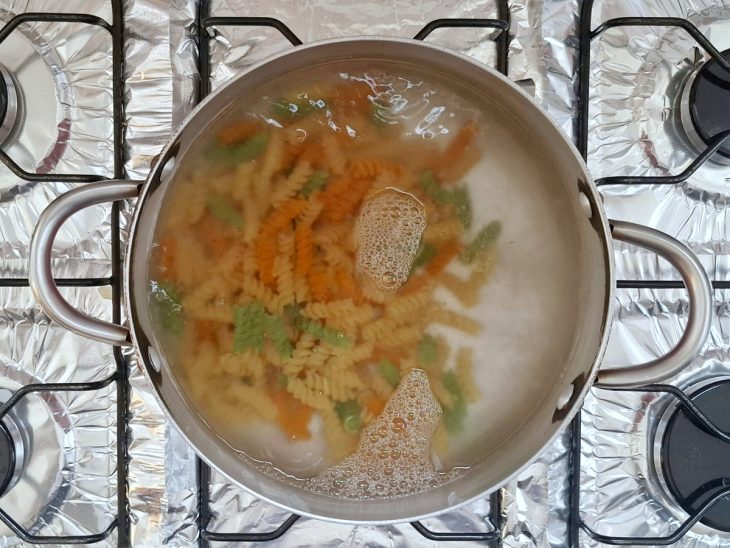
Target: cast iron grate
{"x": 206, "y": 24}
{"x": 586, "y": 35}
{"x": 576, "y": 523}
{"x": 115, "y": 30}
{"x": 205, "y": 28}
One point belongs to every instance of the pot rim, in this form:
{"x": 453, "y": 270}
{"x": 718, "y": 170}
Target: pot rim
{"x": 589, "y": 187}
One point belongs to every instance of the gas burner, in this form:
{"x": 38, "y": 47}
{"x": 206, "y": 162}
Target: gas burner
{"x": 694, "y": 464}
{"x": 14, "y": 440}
{"x": 34, "y": 436}
{"x": 8, "y": 104}
{"x": 704, "y": 106}
{"x": 12, "y": 453}
{"x": 37, "y": 99}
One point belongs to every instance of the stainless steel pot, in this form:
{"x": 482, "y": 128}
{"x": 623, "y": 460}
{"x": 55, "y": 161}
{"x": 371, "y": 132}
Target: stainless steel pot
{"x": 565, "y": 389}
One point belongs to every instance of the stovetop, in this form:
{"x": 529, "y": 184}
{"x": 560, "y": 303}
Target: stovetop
{"x": 94, "y": 90}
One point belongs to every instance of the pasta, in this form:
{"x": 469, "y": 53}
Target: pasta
{"x": 363, "y": 169}
{"x": 464, "y": 374}
{"x": 238, "y": 131}
{"x": 289, "y": 188}
{"x": 468, "y": 291}
{"x": 333, "y": 390}
{"x": 456, "y": 320}
{"x": 341, "y": 442}
{"x": 443, "y": 231}
{"x": 402, "y": 309}
{"x": 309, "y": 396}
{"x": 335, "y": 159}
{"x": 255, "y": 273}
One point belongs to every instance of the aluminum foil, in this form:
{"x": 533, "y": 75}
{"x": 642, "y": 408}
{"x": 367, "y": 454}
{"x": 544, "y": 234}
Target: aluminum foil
{"x": 620, "y": 492}
{"x": 73, "y": 461}
{"x": 158, "y": 489}
{"x": 636, "y": 76}
{"x": 161, "y": 83}
{"x": 236, "y": 511}
{"x": 63, "y": 73}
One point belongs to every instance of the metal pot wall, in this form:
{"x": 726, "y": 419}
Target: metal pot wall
{"x": 566, "y": 390}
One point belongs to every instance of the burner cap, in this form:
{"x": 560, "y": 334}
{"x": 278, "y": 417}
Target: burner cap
{"x": 696, "y": 464}
{"x": 7, "y": 458}
{"x": 8, "y": 104}
{"x": 3, "y": 98}
{"x": 705, "y": 101}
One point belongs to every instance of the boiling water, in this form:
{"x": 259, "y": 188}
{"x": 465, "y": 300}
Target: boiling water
{"x": 393, "y": 457}
{"x": 526, "y": 310}
{"x": 388, "y": 232}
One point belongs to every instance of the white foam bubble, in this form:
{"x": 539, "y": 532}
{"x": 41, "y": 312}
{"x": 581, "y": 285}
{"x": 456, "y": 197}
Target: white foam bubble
{"x": 389, "y": 230}
{"x": 393, "y": 455}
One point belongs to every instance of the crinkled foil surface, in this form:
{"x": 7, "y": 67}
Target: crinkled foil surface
{"x": 618, "y": 495}
{"x": 633, "y": 130}
{"x": 69, "y": 486}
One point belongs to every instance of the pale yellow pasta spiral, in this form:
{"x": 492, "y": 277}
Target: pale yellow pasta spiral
{"x": 341, "y": 443}
{"x": 403, "y": 309}
{"x": 301, "y": 290}
{"x": 331, "y": 235}
{"x": 333, "y": 154}
{"x": 443, "y": 231}
{"x": 215, "y": 312}
{"x": 186, "y": 206}
{"x": 311, "y": 212}
{"x": 336, "y": 256}
{"x": 380, "y": 386}
{"x": 372, "y": 293}
{"x": 374, "y": 330}
{"x": 304, "y": 355}
{"x": 401, "y": 336}
{"x": 248, "y": 364}
{"x": 308, "y": 396}
{"x": 255, "y": 399}
{"x": 241, "y": 191}
{"x": 255, "y": 289}
{"x": 469, "y": 290}
{"x": 343, "y": 309}
{"x": 464, "y": 374}
{"x": 284, "y": 274}
{"x": 191, "y": 269}
{"x": 342, "y": 377}
{"x": 384, "y": 180}
{"x": 289, "y": 188}
{"x": 345, "y": 358}
{"x": 331, "y": 389}
{"x": 458, "y": 321}
{"x": 248, "y": 261}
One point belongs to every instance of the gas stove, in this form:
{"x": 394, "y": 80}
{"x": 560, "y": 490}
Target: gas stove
{"x": 93, "y": 89}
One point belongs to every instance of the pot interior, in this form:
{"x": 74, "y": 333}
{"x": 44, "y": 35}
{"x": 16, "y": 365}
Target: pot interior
{"x": 541, "y": 315}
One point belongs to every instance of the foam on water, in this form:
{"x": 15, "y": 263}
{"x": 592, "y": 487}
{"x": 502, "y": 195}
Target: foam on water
{"x": 393, "y": 455}
{"x": 389, "y": 230}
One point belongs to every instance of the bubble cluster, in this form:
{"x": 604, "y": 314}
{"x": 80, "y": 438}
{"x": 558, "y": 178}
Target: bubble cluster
{"x": 393, "y": 456}
{"x": 389, "y": 230}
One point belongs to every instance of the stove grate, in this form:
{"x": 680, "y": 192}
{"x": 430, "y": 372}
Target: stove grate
{"x": 586, "y": 35}
{"x": 18, "y": 529}
{"x": 115, "y": 29}
{"x": 576, "y": 523}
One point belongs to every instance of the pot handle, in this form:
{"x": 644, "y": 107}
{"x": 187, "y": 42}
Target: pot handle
{"x": 39, "y": 270}
{"x": 700, "y": 309}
